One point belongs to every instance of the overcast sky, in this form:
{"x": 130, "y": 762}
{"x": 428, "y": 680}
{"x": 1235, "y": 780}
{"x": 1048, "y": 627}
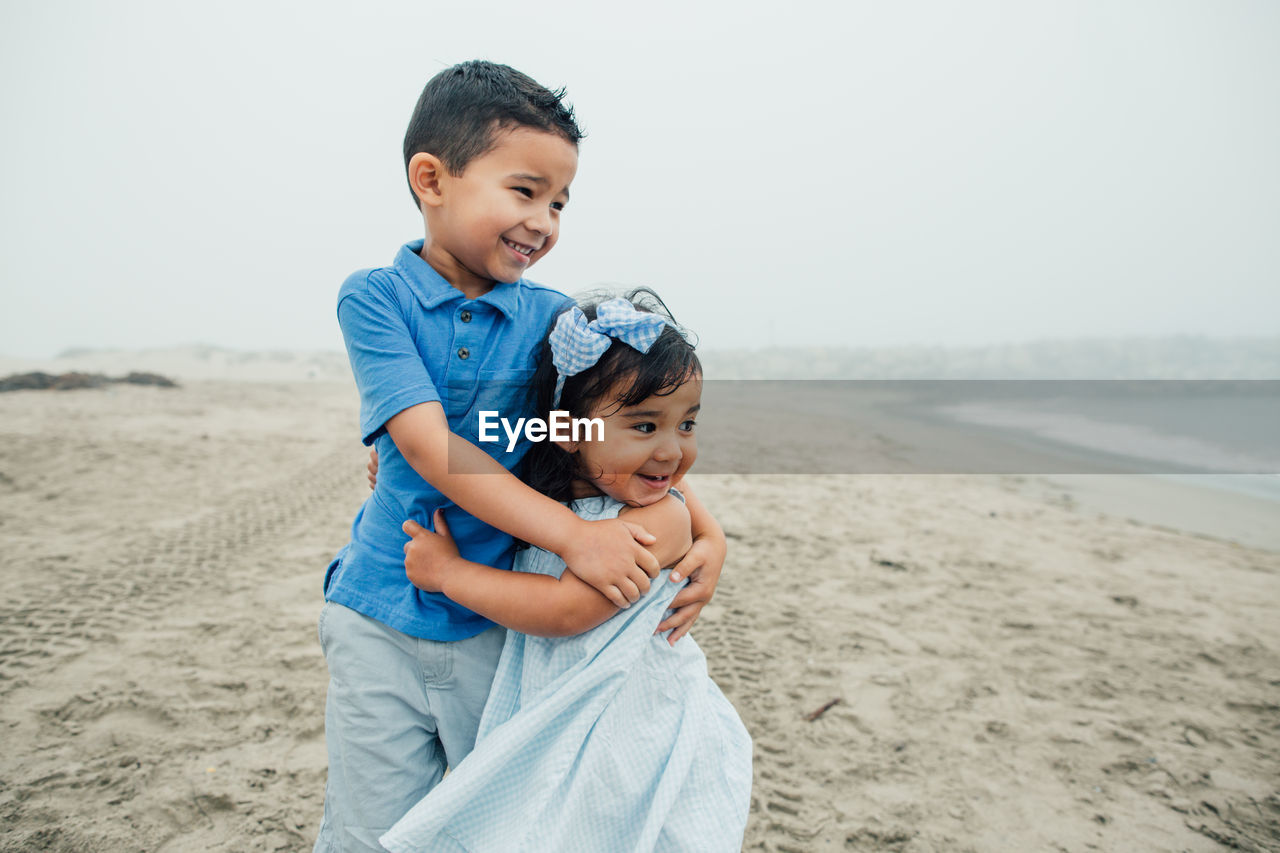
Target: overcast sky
{"x": 855, "y": 173}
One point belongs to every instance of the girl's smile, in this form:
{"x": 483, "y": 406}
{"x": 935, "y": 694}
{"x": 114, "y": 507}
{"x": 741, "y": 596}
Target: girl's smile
{"x": 646, "y": 448}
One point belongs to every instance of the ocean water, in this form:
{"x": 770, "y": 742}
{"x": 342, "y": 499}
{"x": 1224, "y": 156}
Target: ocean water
{"x": 1210, "y": 434}
{"x": 1160, "y": 427}
{"x": 1234, "y": 429}
{"x": 1263, "y": 486}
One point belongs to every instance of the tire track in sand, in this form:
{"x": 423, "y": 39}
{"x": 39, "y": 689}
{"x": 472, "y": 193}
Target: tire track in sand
{"x": 62, "y": 607}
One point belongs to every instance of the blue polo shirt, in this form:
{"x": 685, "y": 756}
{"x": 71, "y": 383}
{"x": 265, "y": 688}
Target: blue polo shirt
{"x": 414, "y": 338}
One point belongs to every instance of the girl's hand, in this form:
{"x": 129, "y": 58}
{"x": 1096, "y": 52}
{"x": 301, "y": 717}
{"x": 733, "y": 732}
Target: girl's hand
{"x": 701, "y": 565}
{"x": 373, "y": 468}
{"x": 427, "y": 555}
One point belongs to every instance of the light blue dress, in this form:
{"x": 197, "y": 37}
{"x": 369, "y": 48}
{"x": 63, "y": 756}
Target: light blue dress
{"x": 612, "y": 740}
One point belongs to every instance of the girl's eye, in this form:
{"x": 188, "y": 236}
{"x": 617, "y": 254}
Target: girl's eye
{"x": 557, "y": 205}
{"x": 524, "y": 191}
{"x": 645, "y": 427}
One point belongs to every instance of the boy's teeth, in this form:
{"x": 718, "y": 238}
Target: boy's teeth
{"x": 524, "y": 250}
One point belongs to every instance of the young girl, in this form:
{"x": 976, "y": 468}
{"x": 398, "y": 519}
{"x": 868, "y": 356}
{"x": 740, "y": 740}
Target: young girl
{"x": 608, "y": 738}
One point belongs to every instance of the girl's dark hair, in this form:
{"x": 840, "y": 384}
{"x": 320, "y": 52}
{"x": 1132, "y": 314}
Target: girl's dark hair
{"x": 622, "y": 377}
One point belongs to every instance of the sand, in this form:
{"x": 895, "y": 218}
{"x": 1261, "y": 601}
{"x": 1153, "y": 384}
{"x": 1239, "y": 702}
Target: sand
{"x": 1015, "y": 672}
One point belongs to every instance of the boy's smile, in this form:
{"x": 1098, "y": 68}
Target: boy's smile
{"x": 502, "y": 214}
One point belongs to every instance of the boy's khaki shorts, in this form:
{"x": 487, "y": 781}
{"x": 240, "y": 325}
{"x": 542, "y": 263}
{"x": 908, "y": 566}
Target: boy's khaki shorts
{"x": 399, "y": 711}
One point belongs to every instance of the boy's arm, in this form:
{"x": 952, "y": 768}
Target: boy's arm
{"x": 608, "y": 555}
{"x": 702, "y": 565}
{"x": 396, "y": 388}
{"x": 529, "y": 603}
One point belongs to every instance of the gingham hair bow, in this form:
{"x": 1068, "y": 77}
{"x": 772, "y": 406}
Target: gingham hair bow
{"x": 577, "y": 344}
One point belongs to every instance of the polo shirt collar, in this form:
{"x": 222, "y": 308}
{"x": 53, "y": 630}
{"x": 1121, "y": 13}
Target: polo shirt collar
{"x": 433, "y": 290}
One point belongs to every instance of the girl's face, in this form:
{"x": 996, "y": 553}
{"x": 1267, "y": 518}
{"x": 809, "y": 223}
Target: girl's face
{"x": 646, "y": 447}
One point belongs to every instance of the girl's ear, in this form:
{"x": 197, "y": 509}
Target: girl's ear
{"x": 570, "y": 447}
{"x": 425, "y": 174}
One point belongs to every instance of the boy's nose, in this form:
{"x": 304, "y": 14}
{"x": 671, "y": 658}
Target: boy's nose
{"x": 539, "y": 222}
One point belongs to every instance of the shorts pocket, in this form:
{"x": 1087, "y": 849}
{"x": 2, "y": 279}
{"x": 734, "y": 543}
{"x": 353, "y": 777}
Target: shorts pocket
{"x": 320, "y": 629}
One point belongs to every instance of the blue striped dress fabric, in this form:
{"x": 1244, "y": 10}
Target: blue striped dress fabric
{"x": 609, "y": 741}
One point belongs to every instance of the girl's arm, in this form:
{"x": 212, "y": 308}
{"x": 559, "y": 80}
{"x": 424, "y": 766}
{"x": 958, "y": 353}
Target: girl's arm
{"x": 532, "y": 603}
{"x": 702, "y": 565}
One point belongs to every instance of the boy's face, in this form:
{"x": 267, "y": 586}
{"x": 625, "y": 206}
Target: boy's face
{"x": 502, "y": 214}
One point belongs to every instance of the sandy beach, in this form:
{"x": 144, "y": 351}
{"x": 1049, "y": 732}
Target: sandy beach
{"x": 1014, "y": 670}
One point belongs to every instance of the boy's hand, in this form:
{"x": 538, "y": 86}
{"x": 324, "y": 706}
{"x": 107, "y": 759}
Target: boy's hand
{"x": 373, "y": 467}
{"x": 701, "y": 565}
{"x": 609, "y": 555}
{"x": 427, "y": 555}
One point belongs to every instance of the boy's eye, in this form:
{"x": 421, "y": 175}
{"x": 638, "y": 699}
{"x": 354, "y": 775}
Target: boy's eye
{"x": 687, "y": 426}
{"x": 557, "y": 205}
{"x": 524, "y": 191}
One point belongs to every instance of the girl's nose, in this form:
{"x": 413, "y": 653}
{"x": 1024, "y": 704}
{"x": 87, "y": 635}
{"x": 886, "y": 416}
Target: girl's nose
{"x": 667, "y": 450}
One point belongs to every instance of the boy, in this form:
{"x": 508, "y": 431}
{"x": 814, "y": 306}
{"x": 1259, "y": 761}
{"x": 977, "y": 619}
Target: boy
{"x": 449, "y": 330}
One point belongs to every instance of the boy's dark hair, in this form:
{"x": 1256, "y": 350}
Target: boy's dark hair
{"x": 668, "y": 364}
{"x": 462, "y": 109}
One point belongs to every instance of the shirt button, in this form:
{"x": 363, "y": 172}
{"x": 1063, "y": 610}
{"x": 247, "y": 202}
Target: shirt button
{"x": 464, "y": 353}
{"x": 466, "y": 316}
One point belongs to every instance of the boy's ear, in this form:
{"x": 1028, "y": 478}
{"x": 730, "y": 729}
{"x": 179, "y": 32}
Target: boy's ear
{"x": 425, "y": 173}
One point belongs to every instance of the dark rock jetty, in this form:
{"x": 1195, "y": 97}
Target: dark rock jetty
{"x": 40, "y": 381}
